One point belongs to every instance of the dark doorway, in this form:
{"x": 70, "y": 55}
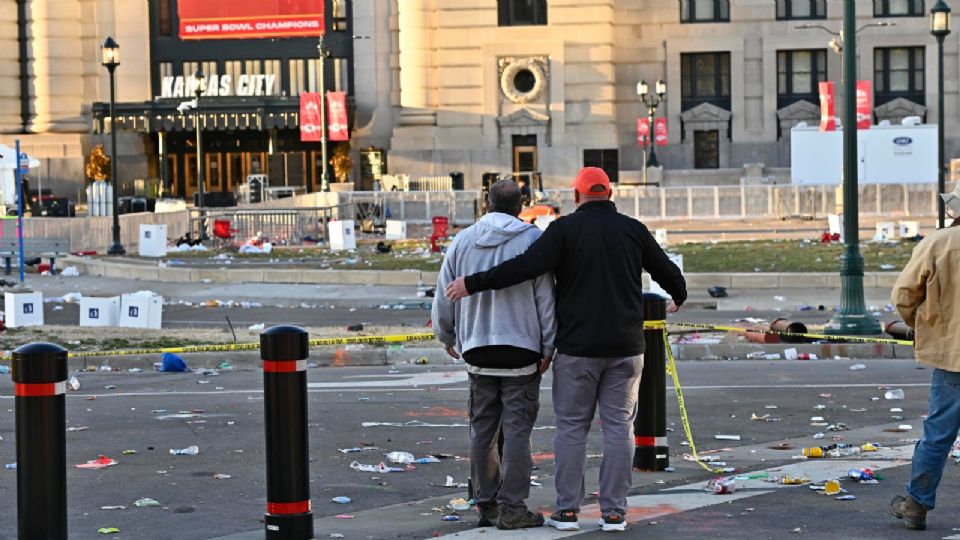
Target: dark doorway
{"x": 524, "y": 156}
{"x": 706, "y": 149}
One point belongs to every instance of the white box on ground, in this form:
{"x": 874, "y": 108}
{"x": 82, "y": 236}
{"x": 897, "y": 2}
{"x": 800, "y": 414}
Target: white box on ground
{"x": 542, "y": 222}
{"x": 835, "y": 222}
{"x": 164, "y": 206}
{"x": 341, "y": 235}
{"x": 909, "y": 229}
{"x": 655, "y": 287}
{"x": 153, "y": 240}
{"x": 396, "y": 230}
{"x": 141, "y": 310}
{"x": 99, "y": 311}
{"x": 886, "y": 230}
{"x": 23, "y": 308}
{"x": 661, "y": 236}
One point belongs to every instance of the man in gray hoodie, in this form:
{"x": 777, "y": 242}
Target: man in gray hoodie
{"x": 506, "y": 338}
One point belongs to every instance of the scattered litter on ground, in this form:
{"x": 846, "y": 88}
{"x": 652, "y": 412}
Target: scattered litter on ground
{"x": 145, "y": 502}
{"x": 402, "y": 458}
{"x": 895, "y": 393}
{"x": 380, "y": 468}
{"x": 188, "y": 451}
{"x": 108, "y": 530}
{"x": 341, "y": 500}
{"x": 70, "y": 271}
{"x": 101, "y": 462}
{"x": 458, "y": 505}
{"x": 451, "y": 517}
{"x": 118, "y": 507}
{"x": 171, "y": 363}
{"x": 846, "y": 498}
{"x": 857, "y": 367}
{"x": 722, "y": 486}
{"x": 10, "y": 466}
{"x": 727, "y": 437}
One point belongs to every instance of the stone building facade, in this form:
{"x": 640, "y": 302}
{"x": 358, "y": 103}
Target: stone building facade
{"x": 513, "y": 85}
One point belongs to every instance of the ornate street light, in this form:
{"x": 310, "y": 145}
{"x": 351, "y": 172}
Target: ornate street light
{"x": 852, "y": 317}
{"x": 110, "y": 58}
{"x": 199, "y": 87}
{"x": 940, "y": 28}
{"x": 652, "y": 101}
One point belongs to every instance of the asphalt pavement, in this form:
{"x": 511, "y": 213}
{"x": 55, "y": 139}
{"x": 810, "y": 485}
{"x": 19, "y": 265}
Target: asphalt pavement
{"x": 424, "y": 409}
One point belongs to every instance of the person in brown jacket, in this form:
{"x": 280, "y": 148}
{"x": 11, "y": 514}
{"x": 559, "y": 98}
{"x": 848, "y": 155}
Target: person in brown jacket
{"x": 927, "y": 296}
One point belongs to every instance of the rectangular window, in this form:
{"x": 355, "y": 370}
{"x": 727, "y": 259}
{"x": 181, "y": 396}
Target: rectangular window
{"x": 522, "y": 12}
{"x": 272, "y": 67}
{"x": 704, "y": 11}
{"x": 341, "y": 75}
{"x": 303, "y": 75}
{"x": 799, "y": 74}
{"x": 607, "y": 159}
{"x": 899, "y": 73}
{"x": 801, "y": 9}
{"x": 164, "y": 25}
{"x": 705, "y": 78}
{"x": 339, "y": 15}
{"x": 233, "y": 68}
{"x": 166, "y": 70}
{"x": 898, "y": 8}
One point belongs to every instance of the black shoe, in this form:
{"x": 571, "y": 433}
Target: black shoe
{"x": 613, "y": 522}
{"x": 489, "y": 514}
{"x": 564, "y": 520}
{"x": 518, "y": 518}
{"x": 913, "y": 514}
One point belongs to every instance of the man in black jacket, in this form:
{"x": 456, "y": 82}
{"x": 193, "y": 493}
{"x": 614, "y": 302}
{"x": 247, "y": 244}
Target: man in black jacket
{"x": 597, "y": 256}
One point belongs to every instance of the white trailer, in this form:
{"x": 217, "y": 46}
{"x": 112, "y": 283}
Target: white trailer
{"x": 903, "y": 154}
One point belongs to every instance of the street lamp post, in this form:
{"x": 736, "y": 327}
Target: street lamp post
{"x": 199, "y": 86}
{"x": 852, "y": 317}
{"x": 110, "y": 58}
{"x": 652, "y": 101}
{"x": 324, "y": 177}
{"x": 940, "y": 28}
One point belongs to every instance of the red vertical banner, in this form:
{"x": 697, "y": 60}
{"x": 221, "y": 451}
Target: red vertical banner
{"x": 310, "y": 124}
{"x": 864, "y": 104}
{"x": 337, "y": 116}
{"x": 828, "y": 121}
{"x": 660, "y": 131}
{"x": 643, "y": 131}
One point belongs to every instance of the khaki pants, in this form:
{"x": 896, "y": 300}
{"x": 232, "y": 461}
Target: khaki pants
{"x": 580, "y": 387}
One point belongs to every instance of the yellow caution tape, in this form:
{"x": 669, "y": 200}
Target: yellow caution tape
{"x": 818, "y": 337}
{"x": 681, "y": 404}
{"x": 229, "y": 347}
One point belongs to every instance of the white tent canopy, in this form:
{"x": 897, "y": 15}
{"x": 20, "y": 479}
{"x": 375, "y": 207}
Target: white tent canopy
{"x": 8, "y": 159}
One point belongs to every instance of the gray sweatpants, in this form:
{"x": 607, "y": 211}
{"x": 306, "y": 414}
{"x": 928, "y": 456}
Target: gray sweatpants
{"x": 580, "y": 387}
{"x": 510, "y": 404}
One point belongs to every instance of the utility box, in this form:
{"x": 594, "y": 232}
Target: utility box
{"x": 23, "y": 308}
{"x": 342, "y": 236}
{"x": 141, "y": 310}
{"x": 396, "y": 230}
{"x": 153, "y": 241}
{"x": 100, "y": 311}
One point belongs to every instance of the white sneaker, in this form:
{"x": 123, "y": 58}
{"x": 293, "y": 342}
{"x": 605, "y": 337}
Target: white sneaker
{"x": 613, "y": 522}
{"x": 564, "y": 521}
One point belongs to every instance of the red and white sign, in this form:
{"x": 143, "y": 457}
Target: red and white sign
{"x": 660, "y": 131}
{"x": 828, "y": 121}
{"x": 337, "y": 123}
{"x": 311, "y": 128}
{"x": 864, "y": 104}
{"x": 250, "y": 19}
{"x": 643, "y": 131}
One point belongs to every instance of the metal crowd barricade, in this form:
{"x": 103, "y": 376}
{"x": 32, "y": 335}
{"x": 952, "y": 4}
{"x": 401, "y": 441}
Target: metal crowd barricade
{"x": 279, "y": 226}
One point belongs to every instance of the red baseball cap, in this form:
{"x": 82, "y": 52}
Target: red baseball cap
{"x": 592, "y": 181}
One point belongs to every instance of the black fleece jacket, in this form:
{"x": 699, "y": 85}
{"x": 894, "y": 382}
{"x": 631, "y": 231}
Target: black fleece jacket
{"x": 596, "y": 255}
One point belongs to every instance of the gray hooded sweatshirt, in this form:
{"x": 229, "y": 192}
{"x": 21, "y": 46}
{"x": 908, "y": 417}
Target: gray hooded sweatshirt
{"x": 520, "y": 316}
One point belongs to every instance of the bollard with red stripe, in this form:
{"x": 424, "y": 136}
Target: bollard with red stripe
{"x": 652, "y": 452}
{"x": 284, "y": 351}
{"x": 39, "y": 385}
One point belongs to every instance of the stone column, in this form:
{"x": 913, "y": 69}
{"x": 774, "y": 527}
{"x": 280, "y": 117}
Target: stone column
{"x": 57, "y": 66}
{"x": 417, "y": 83}
{"x": 9, "y": 70}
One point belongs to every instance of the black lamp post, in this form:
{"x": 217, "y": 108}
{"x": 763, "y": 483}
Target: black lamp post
{"x": 199, "y": 87}
{"x": 652, "y": 101}
{"x": 852, "y": 317}
{"x": 110, "y": 58}
{"x": 940, "y": 28}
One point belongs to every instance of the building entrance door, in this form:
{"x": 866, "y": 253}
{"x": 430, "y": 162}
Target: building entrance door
{"x": 524, "y": 157}
{"x": 706, "y": 149}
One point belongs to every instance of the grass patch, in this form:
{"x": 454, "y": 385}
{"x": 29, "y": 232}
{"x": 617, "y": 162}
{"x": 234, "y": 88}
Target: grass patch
{"x": 788, "y": 256}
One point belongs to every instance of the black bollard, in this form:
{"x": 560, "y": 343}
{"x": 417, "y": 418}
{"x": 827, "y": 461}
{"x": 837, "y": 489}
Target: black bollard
{"x": 650, "y": 427}
{"x": 284, "y": 351}
{"x": 40, "y": 385}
